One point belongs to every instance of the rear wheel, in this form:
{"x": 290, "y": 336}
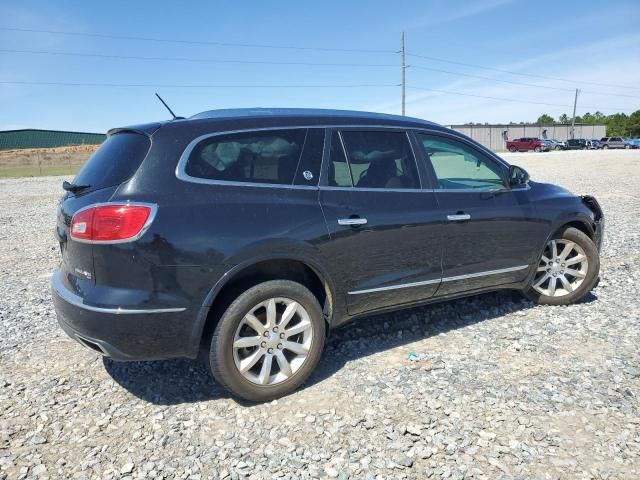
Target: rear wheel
{"x": 605, "y": 147}
{"x": 567, "y": 270}
{"x": 537, "y": 149}
{"x": 268, "y": 341}
{"x": 513, "y": 149}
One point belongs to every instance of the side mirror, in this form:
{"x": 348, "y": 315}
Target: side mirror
{"x": 517, "y": 176}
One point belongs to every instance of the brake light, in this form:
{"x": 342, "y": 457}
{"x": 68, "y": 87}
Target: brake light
{"x": 110, "y": 222}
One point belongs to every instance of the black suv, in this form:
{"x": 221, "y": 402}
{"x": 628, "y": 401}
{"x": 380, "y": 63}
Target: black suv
{"x": 577, "y": 144}
{"x": 246, "y": 235}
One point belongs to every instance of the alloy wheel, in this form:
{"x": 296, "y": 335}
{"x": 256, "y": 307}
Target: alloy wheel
{"x": 272, "y": 341}
{"x": 562, "y": 268}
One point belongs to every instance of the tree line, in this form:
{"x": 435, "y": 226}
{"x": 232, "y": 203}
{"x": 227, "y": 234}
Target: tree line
{"x": 618, "y": 124}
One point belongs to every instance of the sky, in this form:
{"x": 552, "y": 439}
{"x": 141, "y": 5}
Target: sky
{"x": 266, "y": 54}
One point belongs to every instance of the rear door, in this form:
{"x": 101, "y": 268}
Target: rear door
{"x": 490, "y": 232}
{"x": 385, "y": 231}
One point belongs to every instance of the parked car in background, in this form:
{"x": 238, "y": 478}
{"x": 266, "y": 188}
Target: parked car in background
{"x": 244, "y": 236}
{"x": 555, "y": 144}
{"x": 594, "y": 143}
{"x": 527, "y": 143}
{"x": 577, "y": 144}
{"x": 612, "y": 142}
{"x": 631, "y": 142}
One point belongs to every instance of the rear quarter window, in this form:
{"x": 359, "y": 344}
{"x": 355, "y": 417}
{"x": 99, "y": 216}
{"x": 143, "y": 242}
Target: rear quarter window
{"x": 115, "y": 161}
{"x": 257, "y": 157}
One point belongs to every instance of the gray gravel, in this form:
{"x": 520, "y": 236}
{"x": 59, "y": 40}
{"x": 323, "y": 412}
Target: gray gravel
{"x": 487, "y": 387}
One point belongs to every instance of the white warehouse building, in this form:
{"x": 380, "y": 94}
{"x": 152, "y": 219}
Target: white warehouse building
{"x": 495, "y": 137}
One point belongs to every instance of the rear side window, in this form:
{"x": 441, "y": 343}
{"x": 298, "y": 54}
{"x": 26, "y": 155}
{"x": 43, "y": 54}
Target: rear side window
{"x": 115, "y": 161}
{"x": 257, "y": 157}
{"x": 380, "y": 159}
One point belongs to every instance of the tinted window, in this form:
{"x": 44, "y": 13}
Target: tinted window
{"x": 380, "y": 159}
{"x": 458, "y": 166}
{"x": 115, "y": 161}
{"x": 262, "y": 157}
{"x": 338, "y": 174}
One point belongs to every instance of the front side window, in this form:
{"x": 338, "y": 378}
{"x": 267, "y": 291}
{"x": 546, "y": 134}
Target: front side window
{"x": 380, "y": 159}
{"x": 259, "y": 157}
{"x": 458, "y": 166}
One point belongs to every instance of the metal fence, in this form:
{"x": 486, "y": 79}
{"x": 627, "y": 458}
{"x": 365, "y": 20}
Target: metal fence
{"x": 495, "y": 137}
{"x": 32, "y": 138}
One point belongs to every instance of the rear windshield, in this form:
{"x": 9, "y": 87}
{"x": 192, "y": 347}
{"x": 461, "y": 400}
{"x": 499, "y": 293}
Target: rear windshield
{"x": 115, "y": 161}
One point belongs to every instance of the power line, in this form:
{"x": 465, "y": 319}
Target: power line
{"x": 513, "y": 82}
{"x": 175, "y": 85}
{"x": 573, "y": 81}
{"x": 188, "y": 59}
{"x": 502, "y": 99}
{"x": 193, "y": 42}
{"x": 319, "y": 64}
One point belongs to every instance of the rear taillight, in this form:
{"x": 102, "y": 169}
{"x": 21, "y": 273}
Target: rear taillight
{"x": 111, "y": 223}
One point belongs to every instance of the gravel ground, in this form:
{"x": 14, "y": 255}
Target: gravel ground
{"x": 486, "y": 387}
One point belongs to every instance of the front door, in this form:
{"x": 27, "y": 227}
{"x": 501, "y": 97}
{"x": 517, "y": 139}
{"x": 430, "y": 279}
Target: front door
{"x": 385, "y": 235}
{"x": 490, "y": 231}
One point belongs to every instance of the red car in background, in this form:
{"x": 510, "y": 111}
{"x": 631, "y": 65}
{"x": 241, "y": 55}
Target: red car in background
{"x": 527, "y": 143}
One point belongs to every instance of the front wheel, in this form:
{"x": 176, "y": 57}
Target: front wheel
{"x": 627, "y": 147}
{"x": 606, "y": 147}
{"x": 268, "y": 341}
{"x": 568, "y": 269}
{"x": 513, "y": 149}
{"x": 537, "y": 149}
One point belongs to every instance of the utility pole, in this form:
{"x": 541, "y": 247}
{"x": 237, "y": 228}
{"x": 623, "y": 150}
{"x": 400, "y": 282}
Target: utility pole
{"x": 573, "y": 118}
{"x": 403, "y": 67}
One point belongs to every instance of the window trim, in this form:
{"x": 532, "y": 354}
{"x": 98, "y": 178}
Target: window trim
{"x": 409, "y": 130}
{"x": 491, "y": 157}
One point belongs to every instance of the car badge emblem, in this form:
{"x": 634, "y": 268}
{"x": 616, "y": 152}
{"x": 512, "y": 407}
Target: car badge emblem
{"x": 307, "y": 175}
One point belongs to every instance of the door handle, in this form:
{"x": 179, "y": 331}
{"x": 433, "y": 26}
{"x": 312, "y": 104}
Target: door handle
{"x": 352, "y": 222}
{"x": 459, "y": 217}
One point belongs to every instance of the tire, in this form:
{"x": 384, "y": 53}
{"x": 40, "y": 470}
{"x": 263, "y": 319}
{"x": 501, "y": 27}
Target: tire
{"x": 513, "y": 149}
{"x": 627, "y": 147}
{"x": 605, "y": 147}
{"x": 558, "y": 148}
{"x": 579, "y": 286}
{"x": 537, "y": 149}
{"x": 223, "y": 356}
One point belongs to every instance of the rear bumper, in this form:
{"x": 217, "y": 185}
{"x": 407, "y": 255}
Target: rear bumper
{"x": 125, "y": 333}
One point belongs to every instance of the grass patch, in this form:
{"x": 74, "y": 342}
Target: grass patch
{"x": 11, "y": 171}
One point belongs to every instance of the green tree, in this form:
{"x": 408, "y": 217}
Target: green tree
{"x": 563, "y": 118}
{"x": 617, "y": 124}
{"x": 633, "y": 124}
{"x": 544, "y": 119}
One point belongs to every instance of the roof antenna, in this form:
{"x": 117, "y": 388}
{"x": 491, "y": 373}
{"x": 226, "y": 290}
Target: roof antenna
{"x": 167, "y": 107}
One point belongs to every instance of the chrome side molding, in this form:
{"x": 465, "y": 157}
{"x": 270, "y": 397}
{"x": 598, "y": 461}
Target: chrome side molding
{"x": 445, "y": 279}
{"x": 59, "y": 289}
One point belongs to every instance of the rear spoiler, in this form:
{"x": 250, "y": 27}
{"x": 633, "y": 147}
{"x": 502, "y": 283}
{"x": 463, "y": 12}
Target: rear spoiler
{"x": 147, "y": 129}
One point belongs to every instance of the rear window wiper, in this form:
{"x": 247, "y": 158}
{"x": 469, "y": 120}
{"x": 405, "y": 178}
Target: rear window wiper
{"x": 73, "y": 188}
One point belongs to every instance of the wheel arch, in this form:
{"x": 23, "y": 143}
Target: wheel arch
{"x": 253, "y": 272}
{"x": 580, "y": 224}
